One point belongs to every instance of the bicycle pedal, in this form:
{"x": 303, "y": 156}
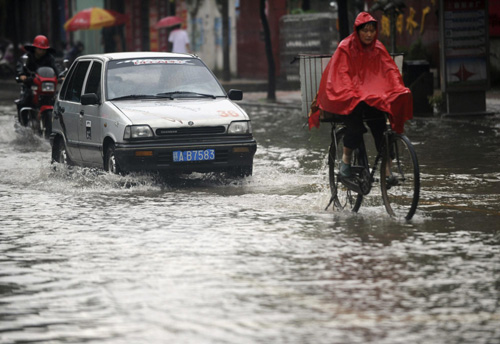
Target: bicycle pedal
{"x": 355, "y": 184}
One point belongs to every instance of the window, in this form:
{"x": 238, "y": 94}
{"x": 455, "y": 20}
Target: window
{"x": 94, "y": 79}
{"x": 74, "y": 91}
{"x": 66, "y": 82}
{"x": 150, "y": 76}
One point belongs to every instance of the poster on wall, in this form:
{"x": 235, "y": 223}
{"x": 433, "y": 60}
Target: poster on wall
{"x": 494, "y": 18}
{"x": 465, "y": 44}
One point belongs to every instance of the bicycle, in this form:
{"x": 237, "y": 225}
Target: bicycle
{"x": 399, "y": 172}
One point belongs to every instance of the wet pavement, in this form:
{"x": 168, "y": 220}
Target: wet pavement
{"x": 87, "y": 256}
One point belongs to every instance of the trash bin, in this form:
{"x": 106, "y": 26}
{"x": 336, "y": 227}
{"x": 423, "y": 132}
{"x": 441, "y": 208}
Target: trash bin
{"x": 418, "y": 78}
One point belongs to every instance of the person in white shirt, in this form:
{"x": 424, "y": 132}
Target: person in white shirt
{"x": 179, "y": 39}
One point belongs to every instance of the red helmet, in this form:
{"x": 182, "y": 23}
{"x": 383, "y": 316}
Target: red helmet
{"x": 41, "y": 42}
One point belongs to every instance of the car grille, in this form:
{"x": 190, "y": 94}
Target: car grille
{"x": 194, "y": 131}
{"x": 221, "y": 155}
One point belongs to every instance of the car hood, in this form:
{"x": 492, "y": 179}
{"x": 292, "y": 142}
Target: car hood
{"x": 179, "y": 112}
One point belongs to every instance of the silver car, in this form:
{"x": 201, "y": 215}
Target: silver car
{"x": 150, "y": 111}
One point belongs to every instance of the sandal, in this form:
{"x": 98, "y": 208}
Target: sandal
{"x": 345, "y": 170}
{"x": 391, "y": 181}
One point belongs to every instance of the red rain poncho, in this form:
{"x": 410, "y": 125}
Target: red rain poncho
{"x": 358, "y": 73}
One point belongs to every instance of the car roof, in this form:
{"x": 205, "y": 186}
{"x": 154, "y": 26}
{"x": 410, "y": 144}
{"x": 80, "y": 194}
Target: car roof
{"x": 135, "y": 55}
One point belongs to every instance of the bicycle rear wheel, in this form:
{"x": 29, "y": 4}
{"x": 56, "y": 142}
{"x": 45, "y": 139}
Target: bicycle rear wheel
{"x": 342, "y": 197}
{"x": 400, "y": 178}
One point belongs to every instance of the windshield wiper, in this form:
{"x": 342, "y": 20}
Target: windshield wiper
{"x": 135, "y": 96}
{"x": 171, "y": 94}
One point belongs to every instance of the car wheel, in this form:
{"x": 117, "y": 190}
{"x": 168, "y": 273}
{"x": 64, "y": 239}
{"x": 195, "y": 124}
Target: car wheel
{"x": 59, "y": 153}
{"x": 110, "y": 163}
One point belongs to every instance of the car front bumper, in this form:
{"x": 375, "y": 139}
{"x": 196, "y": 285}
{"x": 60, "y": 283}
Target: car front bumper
{"x": 154, "y": 156}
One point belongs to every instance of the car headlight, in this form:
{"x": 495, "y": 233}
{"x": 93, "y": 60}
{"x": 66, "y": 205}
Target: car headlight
{"x": 137, "y": 132}
{"x": 48, "y": 87}
{"x": 240, "y": 128}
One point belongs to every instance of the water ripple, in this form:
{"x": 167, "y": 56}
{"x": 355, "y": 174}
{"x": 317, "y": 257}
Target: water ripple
{"x": 86, "y": 256}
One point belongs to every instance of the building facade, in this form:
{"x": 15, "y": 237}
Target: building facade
{"x": 417, "y": 28}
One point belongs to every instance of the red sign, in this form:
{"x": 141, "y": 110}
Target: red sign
{"x": 465, "y": 47}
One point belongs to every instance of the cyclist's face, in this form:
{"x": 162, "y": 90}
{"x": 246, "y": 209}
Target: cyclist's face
{"x": 40, "y": 52}
{"x": 367, "y": 34}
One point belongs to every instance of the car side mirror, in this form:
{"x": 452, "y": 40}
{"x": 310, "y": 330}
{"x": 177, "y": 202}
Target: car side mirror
{"x": 235, "y": 94}
{"x": 89, "y": 99}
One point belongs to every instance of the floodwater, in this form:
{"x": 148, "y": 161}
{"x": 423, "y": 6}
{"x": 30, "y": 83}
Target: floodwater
{"x": 88, "y": 257}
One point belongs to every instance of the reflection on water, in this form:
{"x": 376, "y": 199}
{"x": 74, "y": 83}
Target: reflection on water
{"x": 86, "y": 256}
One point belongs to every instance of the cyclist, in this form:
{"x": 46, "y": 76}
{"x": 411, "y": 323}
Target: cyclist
{"x": 362, "y": 81}
{"x": 40, "y": 54}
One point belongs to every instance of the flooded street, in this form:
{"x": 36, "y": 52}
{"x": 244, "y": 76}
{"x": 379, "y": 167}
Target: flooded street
{"x": 89, "y": 257}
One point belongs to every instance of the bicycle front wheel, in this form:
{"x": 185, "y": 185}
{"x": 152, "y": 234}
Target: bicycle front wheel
{"x": 342, "y": 197}
{"x": 400, "y": 178}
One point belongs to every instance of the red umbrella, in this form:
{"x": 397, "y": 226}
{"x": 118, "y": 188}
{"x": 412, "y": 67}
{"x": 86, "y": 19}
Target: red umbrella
{"x": 120, "y": 18}
{"x": 94, "y": 18}
{"x": 168, "y": 22}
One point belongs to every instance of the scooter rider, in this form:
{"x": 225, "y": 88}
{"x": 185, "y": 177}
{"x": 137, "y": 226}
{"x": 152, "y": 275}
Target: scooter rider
{"x": 40, "y": 54}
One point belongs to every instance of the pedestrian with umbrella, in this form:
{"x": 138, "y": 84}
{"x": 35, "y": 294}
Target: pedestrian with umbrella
{"x": 178, "y": 37}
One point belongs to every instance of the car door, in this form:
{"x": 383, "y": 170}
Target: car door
{"x": 89, "y": 132}
{"x": 71, "y": 107}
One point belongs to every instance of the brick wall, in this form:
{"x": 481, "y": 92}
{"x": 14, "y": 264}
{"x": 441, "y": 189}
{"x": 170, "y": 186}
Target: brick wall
{"x": 252, "y": 61}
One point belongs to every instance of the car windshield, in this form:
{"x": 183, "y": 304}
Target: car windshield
{"x": 159, "y": 77}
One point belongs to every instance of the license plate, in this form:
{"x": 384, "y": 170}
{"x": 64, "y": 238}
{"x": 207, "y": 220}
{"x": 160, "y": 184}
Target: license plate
{"x": 194, "y": 155}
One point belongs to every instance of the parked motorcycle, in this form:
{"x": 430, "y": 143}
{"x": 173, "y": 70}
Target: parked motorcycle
{"x": 38, "y": 116}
